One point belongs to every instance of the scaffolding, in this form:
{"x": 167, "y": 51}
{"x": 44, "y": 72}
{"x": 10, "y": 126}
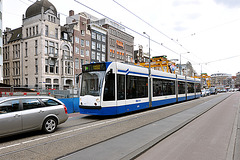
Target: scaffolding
{"x": 160, "y": 63}
{"x": 205, "y": 79}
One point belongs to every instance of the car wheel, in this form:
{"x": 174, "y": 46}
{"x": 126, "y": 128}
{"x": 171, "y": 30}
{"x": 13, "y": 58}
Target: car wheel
{"x": 49, "y": 125}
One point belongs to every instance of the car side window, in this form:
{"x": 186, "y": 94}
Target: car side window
{"x": 9, "y": 106}
{"x": 50, "y": 102}
{"x": 31, "y": 103}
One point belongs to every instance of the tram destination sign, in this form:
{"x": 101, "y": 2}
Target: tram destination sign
{"x": 94, "y": 67}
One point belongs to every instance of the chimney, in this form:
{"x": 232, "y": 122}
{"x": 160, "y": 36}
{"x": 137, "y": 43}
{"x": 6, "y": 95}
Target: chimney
{"x": 71, "y": 12}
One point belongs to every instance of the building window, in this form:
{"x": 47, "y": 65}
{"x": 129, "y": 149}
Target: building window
{"x": 103, "y": 38}
{"x": 37, "y": 30}
{"x": 82, "y": 62}
{"x": 26, "y": 80}
{"x": 82, "y": 52}
{"x": 82, "y": 42}
{"x": 77, "y": 63}
{"x": 36, "y": 47}
{"x": 56, "y": 49}
{"x": 98, "y": 56}
{"x": 56, "y": 33}
{"x": 76, "y": 40}
{"x": 55, "y": 81}
{"x": 26, "y": 32}
{"x": 66, "y": 52}
{"x": 46, "y": 47}
{"x": 46, "y": 30}
{"x": 93, "y": 54}
{"x": 30, "y": 32}
{"x": 93, "y": 35}
{"x": 65, "y": 36}
{"x": 103, "y": 48}
{"x": 51, "y": 48}
{"x": 16, "y": 68}
{"x": 57, "y": 67}
{"x": 34, "y": 31}
{"x": 99, "y": 37}
{"x": 48, "y": 80}
{"x": 87, "y": 52}
{"x": 103, "y": 57}
{"x": 36, "y": 81}
{"x": 76, "y": 50}
{"x": 87, "y": 43}
{"x": 93, "y": 45}
{"x": 98, "y": 46}
{"x": 26, "y": 49}
{"x": 68, "y": 67}
{"x": 36, "y": 65}
{"x": 16, "y": 51}
{"x": 46, "y": 65}
{"x": 82, "y": 32}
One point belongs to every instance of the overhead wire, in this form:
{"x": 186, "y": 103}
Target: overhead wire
{"x": 161, "y": 44}
{"x": 149, "y": 24}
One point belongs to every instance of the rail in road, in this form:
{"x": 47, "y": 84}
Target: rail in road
{"x": 83, "y": 133}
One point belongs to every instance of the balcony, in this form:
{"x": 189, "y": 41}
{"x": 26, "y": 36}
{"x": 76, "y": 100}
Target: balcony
{"x": 67, "y": 57}
{"x": 53, "y": 55}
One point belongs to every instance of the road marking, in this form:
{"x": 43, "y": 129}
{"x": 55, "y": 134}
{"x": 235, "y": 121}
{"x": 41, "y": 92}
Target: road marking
{"x": 86, "y": 127}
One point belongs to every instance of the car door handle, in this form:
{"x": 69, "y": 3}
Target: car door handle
{"x": 41, "y": 111}
{"x": 17, "y": 115}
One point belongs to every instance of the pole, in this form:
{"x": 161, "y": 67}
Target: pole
{"x": 149, "y": 73}
{"x": 180, "y": 67}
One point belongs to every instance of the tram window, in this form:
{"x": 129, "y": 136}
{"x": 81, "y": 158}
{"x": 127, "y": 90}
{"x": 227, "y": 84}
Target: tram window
{"x": 157, "y": 87}
{"x": 181, "y": 87}
{"x": 168, "y": 87}
{"x": 109, "y": 90}
{"x": 137, "y": 87}
{"x": 190, "y": 87}
{"x": 198, "y": 87}
{"x": 120, "y": 87}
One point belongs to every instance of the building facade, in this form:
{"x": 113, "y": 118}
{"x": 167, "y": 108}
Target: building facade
{"x": 140, "y": 56}
{"x": 98, "y": 43}
{"x": 38, "y": 54}
{"x": 119, "y": 43}
{"x": 237, "y": 81}
{"x": 221, "y": 80}
{"x": 81, "y": 39}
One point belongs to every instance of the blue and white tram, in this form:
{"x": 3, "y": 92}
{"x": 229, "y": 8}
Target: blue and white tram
{"x": 112, "y": 88}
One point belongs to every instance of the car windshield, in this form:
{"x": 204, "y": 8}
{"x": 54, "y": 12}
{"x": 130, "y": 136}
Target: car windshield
{"x": 92, "y": 83}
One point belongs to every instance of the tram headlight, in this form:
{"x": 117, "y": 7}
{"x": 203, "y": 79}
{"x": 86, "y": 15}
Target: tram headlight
{"x": 98, "y": 100}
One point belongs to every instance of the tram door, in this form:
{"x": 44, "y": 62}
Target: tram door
{"x": 121, "y": 93}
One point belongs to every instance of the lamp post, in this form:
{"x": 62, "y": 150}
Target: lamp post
{"x": 149, "y": 73}
{"x": 180, "y": 67}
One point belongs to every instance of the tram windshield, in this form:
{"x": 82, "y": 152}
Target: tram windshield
{"x": 92, "y": 83}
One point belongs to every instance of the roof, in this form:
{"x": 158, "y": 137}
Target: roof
{"x": 35, "y": 9}
{"x": 16, "y": 34}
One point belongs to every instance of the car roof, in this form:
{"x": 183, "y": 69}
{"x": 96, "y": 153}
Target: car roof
{"x": 24, "y": 97}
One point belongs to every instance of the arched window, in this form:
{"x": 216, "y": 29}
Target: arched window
{"x": 66, "y": 52}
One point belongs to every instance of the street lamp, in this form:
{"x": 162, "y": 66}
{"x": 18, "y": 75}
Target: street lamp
{"x": 149, "y": 73}
{"x": 180, "y": 67}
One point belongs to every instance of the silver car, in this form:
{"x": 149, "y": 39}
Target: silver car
{"x": 22, "y": 114}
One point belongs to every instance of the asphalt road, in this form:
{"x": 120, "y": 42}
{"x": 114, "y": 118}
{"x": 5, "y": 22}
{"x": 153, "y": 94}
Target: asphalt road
{"x": 207, "y": 137}
{"x": 81, "y": 132}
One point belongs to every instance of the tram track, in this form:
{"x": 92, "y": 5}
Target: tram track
{"x": 96, "y": 131}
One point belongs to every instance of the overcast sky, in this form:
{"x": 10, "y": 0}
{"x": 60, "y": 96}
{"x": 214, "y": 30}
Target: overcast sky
{"x": 208, "y": 29}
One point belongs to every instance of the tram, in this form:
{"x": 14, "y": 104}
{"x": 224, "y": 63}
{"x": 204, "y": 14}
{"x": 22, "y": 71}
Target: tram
{"x": 112, "y": 88}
